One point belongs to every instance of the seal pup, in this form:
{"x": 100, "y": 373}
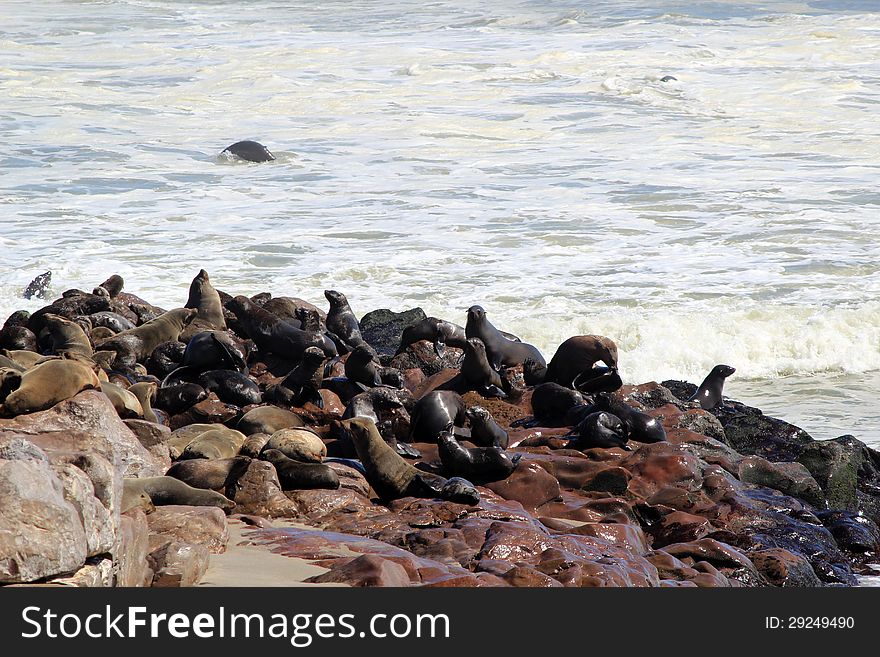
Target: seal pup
{"x": 362, "y": 368}
{"x": 342, "y": 323}
{"x": 434, "y": 412}
{"x": 145, "y": 391}
{"x": 274, "y": 335}
{"x": 434, "y": 330}
{"x": 478, "y": 464}
{"x": 211, "y": 350}
{"x": 392, "y": 477}
{"x": 136, "y": 345}
{"x": 499, "y": 349}
{"x": 485, "y": 431}
{"x": 597, "y": 379}
{"x": 551, "y": 403}
{"x": 231, "y": 387}
{"x": 709, "y": 392}
{"x": 249, "y": 151}
{"x": 601, "y": 429}
{"x": 478, "y": 371}
{"x": 294, "y": 475}
{"x": 639, "y": 426}
{"x": 578, "y": 354}
{"x": 303, "y": 383}
{"x": 108, "y": 319}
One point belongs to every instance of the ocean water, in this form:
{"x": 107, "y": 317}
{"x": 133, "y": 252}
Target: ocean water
{"x": 532, "y": 157}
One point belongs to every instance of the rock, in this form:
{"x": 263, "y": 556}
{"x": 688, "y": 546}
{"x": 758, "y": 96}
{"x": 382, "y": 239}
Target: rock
{"x": 199, "y": 525}
{"x": 383, "y": 329}
{"x": 750, "y": 432}
{"x": 268, "y": 419}
{"x": 526, "y": 576}
{"x": 98, "y": 524}
{"x": 789, "y": 478}
{"x": 350, "y": 478}
{"x": 41, "y": 533}
{"x": 783, "y": 568}
{"x": 176, "y": 563}
{"x": 96, "y": 573}
{"x": 19, "y": 449}
{"x": 855, "y": 534}
{"x": 207, "y": 411}
{"x": 134, "y": 541}
{"x": 318, "y": 503}
{"x": 835, "y": 466}
{"x": 154, "y": 437}
{"x": 86, "y": 423}
{"x": 680, "y": 527}
{"x": 611, "y": 480}
{"x": 529, "y": 484}
{"x": 258, "y": 492}
{"x": 366, "y": 570}
{"x": 421, "y": 356}
{"x": 628, "y": 536}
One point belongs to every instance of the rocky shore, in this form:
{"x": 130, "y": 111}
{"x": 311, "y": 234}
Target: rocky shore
{"x": 260, "y": 447}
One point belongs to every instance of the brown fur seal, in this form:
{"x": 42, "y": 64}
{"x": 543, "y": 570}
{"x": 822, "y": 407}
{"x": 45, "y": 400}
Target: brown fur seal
{"x": 303, "y": 382}
{"x": 485, "y": 431}
{"x": 274, "y": 335}
{"x": 49, "y": 383}
{"x": 639, "y": 426}
{"x": 136, "y": 345}
{"x": 168, "y": 490}
{"x": 210, "y": 474}
{"x": 480, "y": 464}
{"x": 294, "y": 475}
{"x": 342, "y": 323}
{"x": 205, "y": 299}
{"x": 361, "y": 367}
{"x": 436, "y": 331}
{"x": 580, "y": 353}
{"x": 298, "y": 444}
{"x": 231, "y": 387}
{"x": 500, "y": 350}
{"x": 60, "y": 335}
{"x": 268, "y": 419}
{"x": 219, "y": 443}
{"x": 126, "y": 404}
{"x": 478, "y": 371}
{"x": 392, "y": 477}
{"x": 145, "y": 392}
{"x": 709, "y": 392}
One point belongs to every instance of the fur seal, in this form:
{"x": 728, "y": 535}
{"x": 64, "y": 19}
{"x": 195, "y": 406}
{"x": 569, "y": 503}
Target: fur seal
{"x": 272, "y": 334}
{"x": 499, "y": 349}
{"x": 60, "y": 336}
{"x": 113, "y": 286}
{"x": 145, "y": 391}
{"x": 551, "y": 403}
{"x": 250, "y": 151}
{"x": 254, "y": 445}
{"x": 210, "y": 474}
{"x": 639, "y": 426}
{"x": 387, "y": 408}
{"x": 294, "y": 475}
{"x": 478, "y": 371}
{"x": 136, "y": 345}
{"x": 597, "y": 379}
{"x": 231, "y": 387}
{"x": 110, "y": 320}
{"x": 342, "y": 323}
{"x": 435, "y": 330}
{"x": 205, "y": 299}
{"x": 392, "y": 477}
{"x": 479, "y": 464}
{"x": 485, "y": 432}
{"x": 709, "y": 392}
{"x": 268, "y": 419}
{"x": 49, "y": 383}
{"x": 578, "y": 354}
{"x": 17, "y": 336}
{"x": 219, "y": 443}
{"x": 601, "y": 429}
{"x": 126, "y": 404}
{"x": 166, "y": 358}
{"x": 38, "y": 286}
{"x": 168, "y": 490}
{"x": 298, "y": 444}
{"x": 176, "y": 399}
{"x": 303, "y": 383}
{"x": 433, "y": 413}
{"x": 213, "y": 350}
{"x": 360, "y": 367}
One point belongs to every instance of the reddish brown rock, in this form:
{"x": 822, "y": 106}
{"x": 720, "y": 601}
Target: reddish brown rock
{"x": 366, "y": 570}
{"x": 530, "y": 485}
{"x": 526, "y": 576}
{"x": 628, "y": 536}
{"x": 680, "y": 527}
{"x": 207, "y": 411}
{"x": 258, "y": 492}
{"x": 319, "y": 502}
{"x": 134, "y": 546}
{"x": 154, "y": 438}
{"x": 783, "y": 568}
{"x": 198, "y": 525}
{"x": 658, "y": 465}
{"x": 175, "y": 563}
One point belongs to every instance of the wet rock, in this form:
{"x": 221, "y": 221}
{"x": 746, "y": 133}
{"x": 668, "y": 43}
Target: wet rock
{"x": 529, "y": 484}
{"x": 680, "y": 527}
{"x": 422, "y": 357}
{"x": 526, "y": 576}
{"x": 611, "y": 480}
{"x": 835, "y": 466}
{"x": 750, "y": 432}
{"x": 199, "y": 525}
{"x": 789, "y": 478}
{"x": 783, "y": 568}
{"x": 628, "y": 536}
{"x": 855, "y": 534}
{"x": 366, "y": 570}
{"x": 207, "y": 411}
{"x": 319, "y": 502}
{"x": 383, "y": 329}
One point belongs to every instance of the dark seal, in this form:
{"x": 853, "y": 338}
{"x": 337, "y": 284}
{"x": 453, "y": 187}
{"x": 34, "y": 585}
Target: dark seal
{"x": 709, "y": 392}
{"x": 250, "y": 151}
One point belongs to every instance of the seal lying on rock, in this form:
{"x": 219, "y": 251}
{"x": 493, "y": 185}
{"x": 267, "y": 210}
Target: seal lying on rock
{"x": 136, "y": 345}
{"x": 709, "y": 392}
{"x": 479, "y": 464}
{"x": 168, "y": 490}
{"x": 274, "y": 335}
{"x": 484, "y": 429}
{"x": 61, "y": 336}
{"x": 433, "y": 412}
{"x": 579, "y": 354}
{"x": 48, "y": 383}
{"x": 599, "y": 429}
{"x": 295, "y": 475}
{"x": 210, "y": 474}
{"x": 639, "y": 426}
{"x": 303, "y": 383}
{"x": 392, "y": 477}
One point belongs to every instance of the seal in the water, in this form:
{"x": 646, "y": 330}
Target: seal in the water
{"x": 709, "y": 392}
{"x": 601, "y": 429}
{"x": 136, "y": 345}
{"x": 392, "y": 477}
{"x": 295, "y": 475}
{"x": 251, "y": 151}
{"x": 49, "y": 383}
{"x": 639, "y": 426}
{"x": 578, "y": 354}
{"x": 432, "y": 414}
{"x": 231, "y": 387}
{"x": 274, "y": 335}
{"x": 500, "y": 350}
{"x": 168, "y": 490}
{"x": 37, "y": 287}
{"x": 303, "y": 382}
{"x": 479, "y": 464}
{"x": 485, "y": 430}
{"x": 342, "y": 323}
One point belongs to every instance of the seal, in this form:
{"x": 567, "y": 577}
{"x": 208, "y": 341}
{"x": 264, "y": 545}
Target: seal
{"x": 176, "y": 399}
{"x": 276, "y": 336}
{"x": 220, "y": 443}
{"x": 298, "y": 444}
{"x": 231, "y": 387}
{"x": 168, "y": 490}
{"x": 434, "y": 412}
{"x": 303, "y": 383}
{"x": 362, "y": 368}
{"x": 166, "y": 358}
{"x": 212, "y": 350}
{"x": 342, "y": 323}
{"x": 126, "y": 404}
{"x": 268, "y": 419}
{"x": 294, "y": 475}
{"x": 209, "y": 474}
{"x": 639, "y": 426}
{"x": 15, "y": 333}
{"x": 485, "y": 432}
{"x": 478, "y": 371}
{"x": 113, "y": 286}
{"x": 550, "y": 404}
{"x": 49, "y": 383}
{"x": 206, "y": 301}
{"x": 709, "y": 392}
{"x": 60, "y": 336}
{"x": 500, "y": 350}
{"x": 145, "y": 392}
{"x": 600, "y": 429}
{"x": 110, "y": 320}
{"x": 136, "y": 345}
{"x": 597, "y": 379}
{"x": 479, "y": 464}
{"x": 435, "y": 330}
{"x": 37, "y": 287}
{"x": 387, "y": 408}
{"x": 578, "y": 354}
{"x": 249, "y": 151}
{"x": 392, "y": 477}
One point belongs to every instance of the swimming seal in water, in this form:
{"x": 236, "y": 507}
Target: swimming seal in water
{"x": 578, "y": 354}
{"x": 392, "y": 477}
{"x": 294, "y": 475}
{"x": 499, "y": 350}
{"x": 709, "y": 392}
{"x": 485, "y": 432}
{"x": 274, "y": 335}
{"x": 600, "y": 429}
{"x": 250, "y": 151}
{"x": 479, "y": 464}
